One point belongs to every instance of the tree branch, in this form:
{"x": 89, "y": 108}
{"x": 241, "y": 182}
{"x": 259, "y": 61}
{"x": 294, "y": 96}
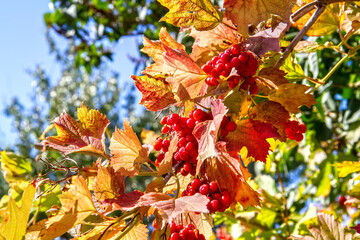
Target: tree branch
{"x": 176, "y": 168}
{"x": 320, "y": 9}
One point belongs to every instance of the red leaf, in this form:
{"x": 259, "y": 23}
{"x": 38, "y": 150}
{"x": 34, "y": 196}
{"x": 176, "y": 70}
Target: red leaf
{"x": 252, "y": 135}
{"x": 170, "y": 208}
{"x": 86, "y": 135}
{"x": 126, "y": 201}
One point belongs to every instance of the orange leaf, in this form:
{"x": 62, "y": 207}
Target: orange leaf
{"x": 269, "y": 78}
{"x": 187, "y": 78}
{"x": 85, "y": 136}
{"x": 76, "y": 204}
{"x": 252, "y": 135}
{"x": 273, "y": 113}
{"x": 292, "y": 96}
{"x": 245, "y": 12}
{"x": 202, "y": 14}
{"x": 166, "y": 165}
{"x": 233, "y": 181}
{"x": 127, "y": 152}
{"x": 156, "y": 93}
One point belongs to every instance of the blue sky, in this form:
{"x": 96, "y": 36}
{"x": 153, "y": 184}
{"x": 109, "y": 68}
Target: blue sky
{"x": 23, "y": 47}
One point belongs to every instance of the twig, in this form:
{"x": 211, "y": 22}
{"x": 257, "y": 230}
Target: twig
{"x": 176, "y": 168}
{"x": 320, "y": 9}
{"x": 302, "y": 11}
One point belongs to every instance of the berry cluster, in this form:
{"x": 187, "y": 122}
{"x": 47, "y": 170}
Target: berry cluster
{"x": 189, "y": 232}
{"x": 295, "y": 130}
{"x": 187, "y": 147}
{"x": 245, "y": 65}
{"x": 219, "y": 199}
{"x": 227, "y": 126}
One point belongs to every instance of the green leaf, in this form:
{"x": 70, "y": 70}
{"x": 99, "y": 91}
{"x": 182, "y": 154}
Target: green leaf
{"x": 323, "y": 180}
{"x": 347, "y": 167}
{"x": 15, "y": 168}
{"x": 266, "y": 217}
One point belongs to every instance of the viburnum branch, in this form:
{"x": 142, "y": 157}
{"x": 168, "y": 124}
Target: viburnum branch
{"x": 320, "y": 9}
{"x": 302, "y": 11}
{"x": 176, "y": 168}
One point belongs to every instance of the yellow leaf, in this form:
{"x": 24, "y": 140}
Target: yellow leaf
{"x": 127, "y": 152}
{"x": 202, "y": 14}
{"x": 347, "y": 167}
{"x": 15, "y": 168}
{"x": 15, "y": 218}
{"x": 76, "y": 204}
{"x": 139, "y": 232}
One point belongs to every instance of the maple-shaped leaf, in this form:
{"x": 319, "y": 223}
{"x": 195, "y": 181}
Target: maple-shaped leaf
{"x": 292, "y": 96}
{"x": 14, "y": 218}
{"x": 273, "y": 113}
{"x": 76, "y": 205}
{"x": 127, "y": 152}
{"x": 233, "y": 181}
{"x": 85, "y": 136}
{"x": 328, "y": 228}
{"x": 108, "y": 184}
{"x": 155, "y": 49}
{"x": 269, "y": 78}
{"x": 252, "y": 135}
{"x": 125, "y": 201}
{"x": 169, "y": 208}
{"x": 202, "y": 14}
{"x": 206, "y": 132}
{"x": 266, "y": 40}
{"x": 245, "y": 12}
{"x": 187, "y": 78}
{"x": 238, "y": 103}
{"x": 156, "y": 92}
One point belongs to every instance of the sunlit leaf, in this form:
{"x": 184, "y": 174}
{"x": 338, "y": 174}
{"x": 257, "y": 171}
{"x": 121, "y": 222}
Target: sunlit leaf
{"x": 292, "y": 96}
{"x": 245, "y": 12}
{"x": 85, "y": 136}
{"x": 345, "y": 168}
{"x": 202, "y": 14}
{"x": 15, "y": 168}
{"x": 14, "y": 218}
{"x": 127, "y": 152}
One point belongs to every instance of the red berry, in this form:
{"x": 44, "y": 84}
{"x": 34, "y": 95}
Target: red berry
{"x": 342, "y": 200}
{"x": 302, "y": 128}
{"x": 235, "y": 49}
{"x": 173, "y": 227}
{"x": 235, "y": 62}
{"x": 243, "y": 57}
{"x": 196, "y": 183}
{"x": 179, "y": 227}
{"x": 177, "y": 127}
{"x": 190, "y": 138}
{"x": 213, "y": 187}
{"x": 207, "y": 68}
{"x": 183, "y": 172}
{"x": 184, "y": 233}
{"x": 190, "y": 146}
{"x": 190, "y": 191}
{"x": 164, "y": 120}
{"x": 224, "y": 121}
{"x": 160, "y": 157}
{"x": 204, "y": 189}
{"x": 298, "y": 137}
{"x": 215, "y": 205}
{"x": 187, "y": 167}
{"x": 174, "y": 236}
{"x": 253, "y": 89}
{"x": 173, "y": 118}
{"x": 165, "y": 145}
{"x": 220, "y": 67}
{"x": 225, "y": 200}
{"x": 182, "y": 142}
{"x": 158, "y": 144}
{"x": 199, "y": 115}
{"x": 190, "y": 123}
{"x": 154, "y": 224}
{"x": 177, "y": 157}
{"x": 165, "y": 129}
{"x": 191, "y": 234}
{"x": 183, "y": 121}
{"x": 230, "y": 126}
{"x": 224, "y": 132}
{"x": 215, "y": 73}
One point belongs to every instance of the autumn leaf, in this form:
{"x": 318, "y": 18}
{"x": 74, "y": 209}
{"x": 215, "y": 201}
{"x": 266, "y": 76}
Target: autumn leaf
{"x": 269, "y": 78}
{"x": 148, "y": 136}
{"x": 202, "y": 14}
{"x": 14, "y": 218}
{"x": 76, "y": 204}
{"x": 83, "y": 136}
{"x": 15, "y": 168}
{"x": 238, "y": 103}
{"x": 233, "y": 181}
{"x": 266, "y": 40}
{"x": 156, "y": 92}
{"x": 245, "y": 12}
{"x": 127, "y": 152}
{"x": 345, "y": 168}
{"x": 252, "y": 135}
{"x": 167, "y": 163}
{"x": 206, "y": 132}
{"x": 292, "y": 96}
{"x": 125, "y": 201}
{"x": 169, "y": 208}
{"x": 107, "y": 184}
{"x": 327, "y": 23}
{"x": 273, "y": 113}
{"x": 187, "y": 78}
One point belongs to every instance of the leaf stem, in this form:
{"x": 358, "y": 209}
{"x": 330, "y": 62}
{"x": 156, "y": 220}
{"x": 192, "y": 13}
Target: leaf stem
{"x": 320, "y": 9}
{"x": 302, "y": 11}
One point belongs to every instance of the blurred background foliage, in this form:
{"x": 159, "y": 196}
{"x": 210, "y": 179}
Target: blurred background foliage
{"x": 297, "y": 181}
